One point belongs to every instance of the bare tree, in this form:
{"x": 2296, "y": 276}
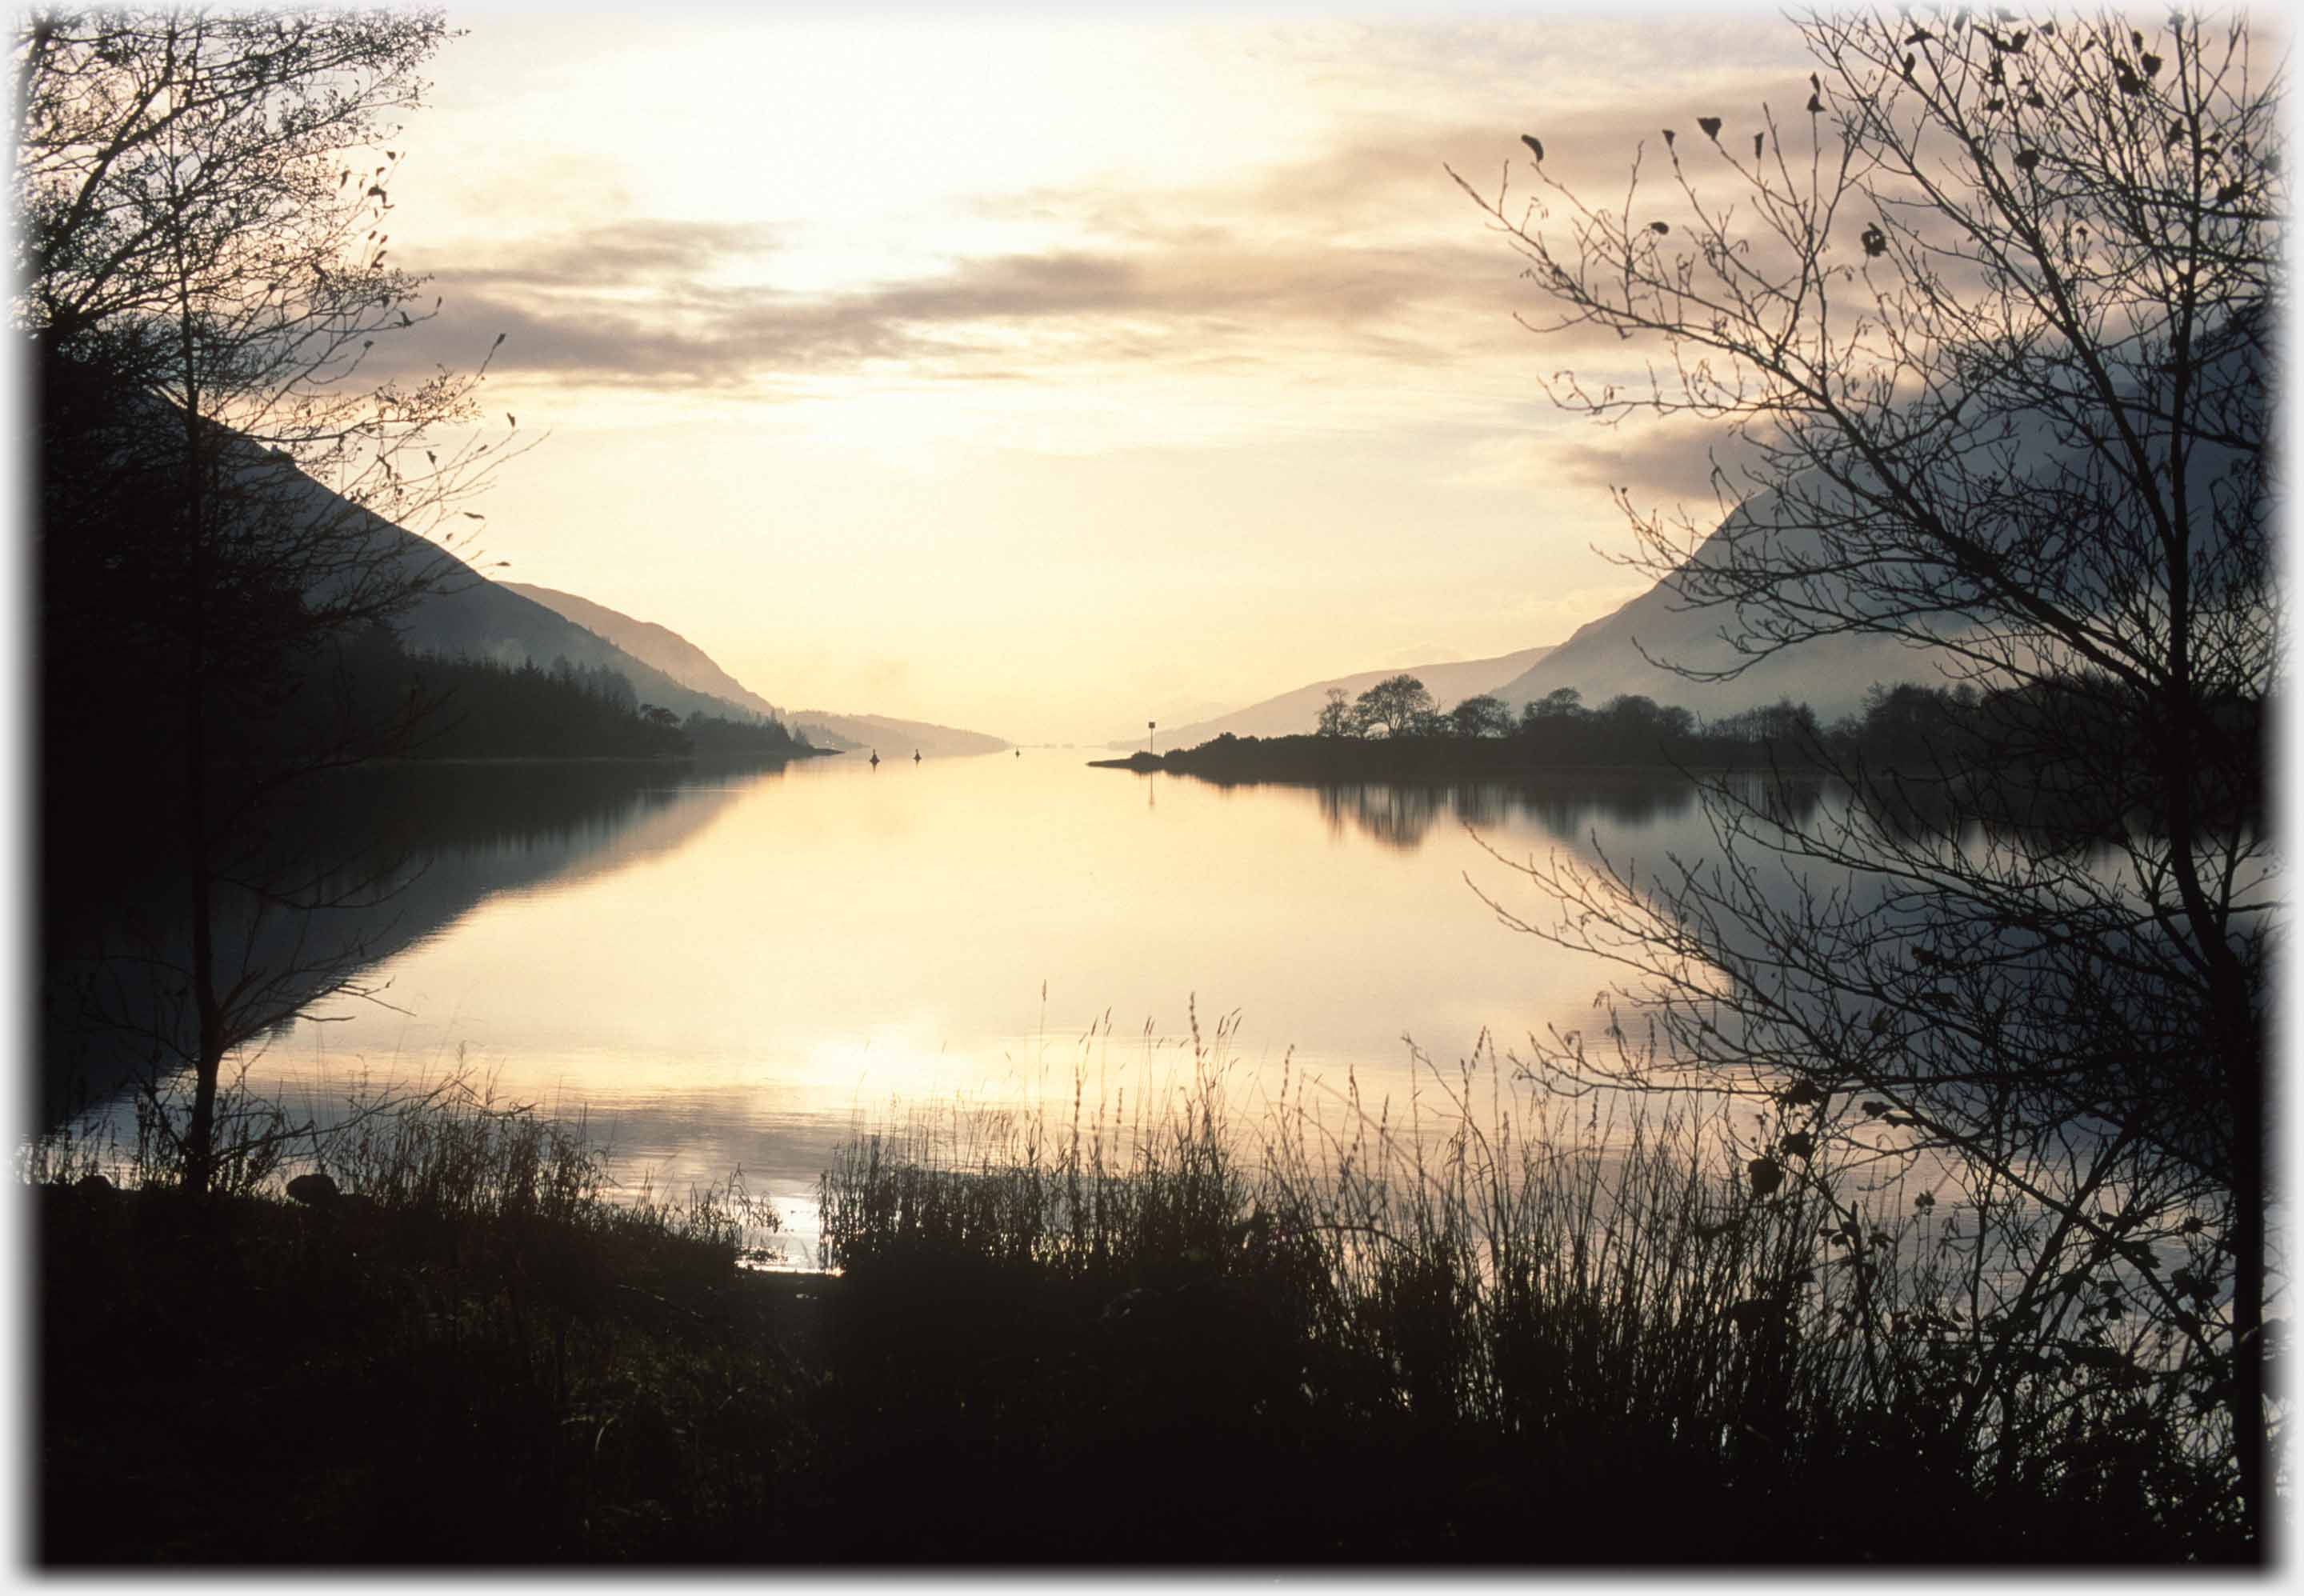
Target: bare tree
{"x": 1993, "y": 316}
{"x": 203, "y": 200}
{"x": 1336, "y": 716}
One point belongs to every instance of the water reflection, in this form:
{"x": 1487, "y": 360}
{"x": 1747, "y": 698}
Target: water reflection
{"x": 1567, "y": 808}
{"x": 724, "y": 971}
{"x": 374, "y": 863}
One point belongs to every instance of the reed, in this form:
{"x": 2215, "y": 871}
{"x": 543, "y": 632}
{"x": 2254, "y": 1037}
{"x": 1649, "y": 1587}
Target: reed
{"x": 1574, "y": 1291}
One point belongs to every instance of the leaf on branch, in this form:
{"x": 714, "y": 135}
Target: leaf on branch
{"x": 474, "y": 515}
{"x": 2151, "y": 65}
{"x": 1668, "y": 137}
{"x": 1711, "y": 126}
{"x": 1535, "y": 144}
{"x": 1659, "y": 228}
{"x": 1759, "y": 145}
{"x": 1919, "y": 36}
{"x": 1815, "y": 104}
{"x": 2026, "y": 159}
{"x": 1875, "y": 241}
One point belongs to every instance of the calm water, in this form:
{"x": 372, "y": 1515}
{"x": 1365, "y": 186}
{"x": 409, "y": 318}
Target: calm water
{"x": 737, "y": 969}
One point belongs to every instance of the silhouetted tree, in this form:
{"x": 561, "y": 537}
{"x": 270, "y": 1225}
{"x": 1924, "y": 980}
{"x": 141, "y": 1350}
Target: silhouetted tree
{"x": 1483, "y": 715}
{"x": 1996, "y": 333}
{"x": 1394, "y": 704}
{"x": 1337, "y": 718}
{"x": 203, "y": 209}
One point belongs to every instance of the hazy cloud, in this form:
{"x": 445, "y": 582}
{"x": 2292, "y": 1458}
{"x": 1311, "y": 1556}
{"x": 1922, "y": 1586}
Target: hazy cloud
{"x": 1366, "y": 251}
{"x": 619, "y": 251}
{"x": 1664, "y": 466}
{"x": 1197, "y": 296}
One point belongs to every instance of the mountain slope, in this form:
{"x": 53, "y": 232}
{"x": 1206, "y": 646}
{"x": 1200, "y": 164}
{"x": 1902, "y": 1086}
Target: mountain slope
{"x": 483, "y": 621}
{"x": 1299, "y": 711}
{"x": 645, "y": 641}
{"x": 2034, "y": 447}
{"x": 891, "y": 738}
{"x": 666, "y": 650}
{"x": 1604, "y": 658}
{"x": 460, "y": 612}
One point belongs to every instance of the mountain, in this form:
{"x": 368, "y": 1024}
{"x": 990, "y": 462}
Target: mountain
{"x": 1299, "y": 711}
{"x": 891, "y": 738}
{"x": 1604, "y": 658}
{"x": 657, "y": 646}
{"x": 486, "y": 620}
{"x": 666, "y": 650}
{"x": 2101, "y": 564}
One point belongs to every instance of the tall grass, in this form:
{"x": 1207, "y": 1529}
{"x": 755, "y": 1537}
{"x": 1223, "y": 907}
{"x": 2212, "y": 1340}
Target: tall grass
{"x": 1592, "y": 1283}
{"x": 471, "y": 1344}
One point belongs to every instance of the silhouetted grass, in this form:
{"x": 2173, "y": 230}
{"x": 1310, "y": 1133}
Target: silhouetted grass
{"x": 1482, "y": 1305}
{"x": 475, "y": 1350}
{"x": 1473, "y": 1328}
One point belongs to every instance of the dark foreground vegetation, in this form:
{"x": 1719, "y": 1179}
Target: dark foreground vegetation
{"x": 1527, "y": 1343}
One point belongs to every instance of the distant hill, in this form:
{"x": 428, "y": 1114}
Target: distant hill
{"x": 1831, "y": 675}
{"x": 893, "y": 738}
{"x": 1604, "y": 658}
{"x": 484, "y": 620}
{"x": 658, "y": 646}
{"x": 666, "y": 650}
{"x": 1450, "y": 683}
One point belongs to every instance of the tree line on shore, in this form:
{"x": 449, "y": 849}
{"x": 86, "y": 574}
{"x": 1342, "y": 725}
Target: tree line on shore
{"x": 488, "y": 709}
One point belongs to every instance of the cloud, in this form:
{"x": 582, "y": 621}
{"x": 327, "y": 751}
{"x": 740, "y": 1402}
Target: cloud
{"x": 622, "y": 251}
{"x": 1366, "y": 251}
{"x": 643, "y": 311}
{"x": 1671, "y": 466}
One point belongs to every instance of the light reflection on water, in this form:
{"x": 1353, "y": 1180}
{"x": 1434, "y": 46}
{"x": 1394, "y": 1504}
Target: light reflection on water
{"x": 740, "y": 970}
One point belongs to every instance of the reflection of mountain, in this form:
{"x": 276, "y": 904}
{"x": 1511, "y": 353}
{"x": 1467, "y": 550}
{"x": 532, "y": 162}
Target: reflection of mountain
{"x": 1299, "y": 711}
{"x": 403, "y": 852}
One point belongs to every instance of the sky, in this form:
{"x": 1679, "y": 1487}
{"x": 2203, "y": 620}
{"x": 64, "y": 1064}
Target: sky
{"x": 1043, "y": 374}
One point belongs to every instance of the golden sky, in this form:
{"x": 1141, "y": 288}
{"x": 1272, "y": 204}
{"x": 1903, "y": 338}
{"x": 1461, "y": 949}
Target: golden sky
{"x": 1046, "y": 374}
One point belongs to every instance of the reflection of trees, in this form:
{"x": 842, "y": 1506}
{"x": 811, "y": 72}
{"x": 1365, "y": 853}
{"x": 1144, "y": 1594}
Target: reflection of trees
{"x": 1393, "y": 816}
{"x": 1399, "y": 815}
{"x": 399, "y": 854}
